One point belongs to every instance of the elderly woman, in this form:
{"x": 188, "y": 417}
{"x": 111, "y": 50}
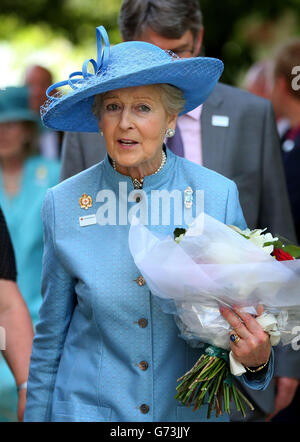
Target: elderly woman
{"x": 104, "y": 350}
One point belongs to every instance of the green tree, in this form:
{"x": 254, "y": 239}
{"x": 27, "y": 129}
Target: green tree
{"x": 240, "y": 31}
{"x": 237, "y": 31}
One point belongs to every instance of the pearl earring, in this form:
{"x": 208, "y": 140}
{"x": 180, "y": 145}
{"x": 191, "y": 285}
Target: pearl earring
{"x": 170, "y": 133}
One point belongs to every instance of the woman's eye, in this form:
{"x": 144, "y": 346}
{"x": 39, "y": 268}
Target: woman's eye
{"x": 144, "y": 108}
{"x": 112, "y": 107}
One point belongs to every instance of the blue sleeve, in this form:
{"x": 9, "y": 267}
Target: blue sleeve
{"x": 234, "y": 213}
{"x": 261, "y": 379}
{"x": 54, "y": 319}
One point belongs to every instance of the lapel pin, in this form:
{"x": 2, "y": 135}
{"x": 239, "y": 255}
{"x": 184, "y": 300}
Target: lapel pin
{"x": 188, "y": 197}
{"x": 85, "y": 201}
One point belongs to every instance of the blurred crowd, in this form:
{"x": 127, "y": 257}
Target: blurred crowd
{"x": 277, "y": 79}
{"x": 31, "y": 160}
{"x": 29, "y": 165}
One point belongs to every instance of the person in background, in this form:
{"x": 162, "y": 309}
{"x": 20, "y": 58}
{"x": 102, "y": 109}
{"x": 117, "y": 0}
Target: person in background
{"x": 38, "y": 79}
{"x": 286, "y": 101}
{"x": 16, "y": 331}
{"x": 285, "y": 96}
{"x": 233, "y": 133}
{"x": 258, "y": 81}
{"x": 24, "y": 179}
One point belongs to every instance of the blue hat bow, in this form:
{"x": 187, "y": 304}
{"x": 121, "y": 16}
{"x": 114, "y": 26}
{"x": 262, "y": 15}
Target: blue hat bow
{"x": 102, "y": 61}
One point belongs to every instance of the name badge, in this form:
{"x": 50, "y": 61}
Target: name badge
{"x": 87, "y": 220}
{"x": 220, "y": 120}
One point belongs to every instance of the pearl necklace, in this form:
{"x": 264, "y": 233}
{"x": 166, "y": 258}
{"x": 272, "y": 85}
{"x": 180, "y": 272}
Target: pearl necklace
{"x": 138, "y": 184}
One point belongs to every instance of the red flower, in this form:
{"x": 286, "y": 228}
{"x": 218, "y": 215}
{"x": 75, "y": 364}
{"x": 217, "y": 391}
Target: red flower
{"x": 281, "y": 255}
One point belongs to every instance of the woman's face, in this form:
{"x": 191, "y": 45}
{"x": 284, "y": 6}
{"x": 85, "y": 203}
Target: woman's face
{"x": 134, "y": 122}
{"x": 12, "y": 138}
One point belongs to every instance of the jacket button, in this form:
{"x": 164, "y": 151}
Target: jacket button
{"x": 143, "y": 365}
{"x": 140, "y": 281}
{"x": 143, "y": 322}
{"x": 144, "y": 408}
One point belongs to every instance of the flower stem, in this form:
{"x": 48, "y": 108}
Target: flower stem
{"x": 210, "y": 377}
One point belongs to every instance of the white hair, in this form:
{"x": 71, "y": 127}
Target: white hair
{"x": 171, "y": 96}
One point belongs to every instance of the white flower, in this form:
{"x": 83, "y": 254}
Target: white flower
{"x": 179, "y": 238}
{"x": 257, "y": 238}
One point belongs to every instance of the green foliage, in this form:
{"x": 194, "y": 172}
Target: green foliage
{"x": 59, "y": 35}
{"x": 238, "y": 32}
{"x": 293, "y": 251}
{"x": 178, "y": 232}
{"x": 72, "y": 19}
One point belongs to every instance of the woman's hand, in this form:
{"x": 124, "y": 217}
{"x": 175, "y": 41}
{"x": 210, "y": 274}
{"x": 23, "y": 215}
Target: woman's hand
{"x": 253, "y": 348}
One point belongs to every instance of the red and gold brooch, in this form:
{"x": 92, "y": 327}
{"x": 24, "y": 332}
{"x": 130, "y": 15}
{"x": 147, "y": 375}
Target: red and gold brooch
{"x": 85, "y": 201}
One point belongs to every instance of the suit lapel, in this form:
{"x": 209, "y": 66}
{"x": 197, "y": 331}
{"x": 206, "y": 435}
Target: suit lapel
{"x": 213, "y": 137}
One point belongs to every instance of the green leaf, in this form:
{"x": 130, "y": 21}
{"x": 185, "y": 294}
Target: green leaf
{"x": 292, "y": 250}
{"x": 277, "y": 244}
{"x": 179, "y": 231}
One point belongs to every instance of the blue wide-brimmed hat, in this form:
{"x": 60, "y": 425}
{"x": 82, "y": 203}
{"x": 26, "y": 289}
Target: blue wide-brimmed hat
{"x": 132, "y": 63}
{"x": 14, "y": 105}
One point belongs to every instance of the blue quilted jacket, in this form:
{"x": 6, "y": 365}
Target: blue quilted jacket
{"x": 103, "y": 349}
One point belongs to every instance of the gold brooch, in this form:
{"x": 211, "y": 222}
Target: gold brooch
{"x": 85, "y": 201}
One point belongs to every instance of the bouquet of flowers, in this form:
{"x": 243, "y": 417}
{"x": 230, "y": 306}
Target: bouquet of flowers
{"x": 209, "y": 265}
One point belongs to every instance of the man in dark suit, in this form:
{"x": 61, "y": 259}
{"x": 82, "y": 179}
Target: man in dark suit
{"x": 286, "y": 102}
{"x": 233, "y": 133}
{"x": 285, "y": 96}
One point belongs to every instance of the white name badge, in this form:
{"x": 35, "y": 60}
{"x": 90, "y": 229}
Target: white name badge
{"x": 87, "y": 220}
{"x": 220, "y": 120}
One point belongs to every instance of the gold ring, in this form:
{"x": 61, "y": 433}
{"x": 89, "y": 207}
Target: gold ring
{"x": 234, "y": 338}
